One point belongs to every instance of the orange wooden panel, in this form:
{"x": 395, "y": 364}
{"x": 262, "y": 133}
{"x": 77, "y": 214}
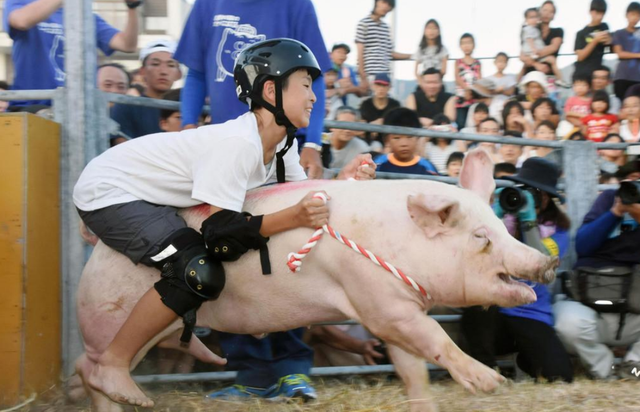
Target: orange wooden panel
{"x": 42, "y": 271}
{"x": 30, "y": 335}
{"x": 12, "y": 241}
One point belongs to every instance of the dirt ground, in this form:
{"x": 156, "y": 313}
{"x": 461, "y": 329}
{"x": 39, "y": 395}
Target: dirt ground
{"x": 379, "y": 393}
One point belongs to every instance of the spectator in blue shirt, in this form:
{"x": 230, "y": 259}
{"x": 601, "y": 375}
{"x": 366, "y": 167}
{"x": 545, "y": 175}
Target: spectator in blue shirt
{"x": 609, "y": 237}
{"x": 215, "y": 33}
{"x": 37, "y": 30}
{"x": 402, "y": 157}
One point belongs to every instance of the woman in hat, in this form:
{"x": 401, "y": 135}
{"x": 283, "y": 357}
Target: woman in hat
{"x": 532, "y": 87}
{"x": 527, "y": 329}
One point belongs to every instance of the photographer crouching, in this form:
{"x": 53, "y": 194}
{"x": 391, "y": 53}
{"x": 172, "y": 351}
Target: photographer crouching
{"x": 531, "y": 216}
{"x": 605, "y": 284}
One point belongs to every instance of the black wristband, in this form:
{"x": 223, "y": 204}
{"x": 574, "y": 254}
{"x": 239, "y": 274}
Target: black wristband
{"x": 133, "y": 4}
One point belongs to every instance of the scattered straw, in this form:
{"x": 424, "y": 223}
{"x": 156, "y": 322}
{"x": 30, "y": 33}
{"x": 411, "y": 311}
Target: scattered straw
{"x": 381, "y": 395}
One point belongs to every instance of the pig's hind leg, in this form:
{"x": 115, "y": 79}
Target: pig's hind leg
{"x": 196, "y": 348}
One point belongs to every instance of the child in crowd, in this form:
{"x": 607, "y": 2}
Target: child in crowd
{"x": 578, "y": 105}
{"x": 532, "y": 43}
{"x": 544, "y": 109}
{"x": 545, "y": 131}
{"x": 438, "y": 150}
{"x": 480, "y": 112}
{"x": 513, "y": 119}
{"x": 592, "y": 41}
{"x": 630, "y": 126}
{"x": 454, "y": 164}
{"x": 171, "y": 120}
{"x": 374, "y": 108}
{"x": 468, "y": 71}
{"x": 431, "y": 52}
{"x": 505, "y": 85}
{"x": 599, "y": 123}
{"x": 402, "y": 157}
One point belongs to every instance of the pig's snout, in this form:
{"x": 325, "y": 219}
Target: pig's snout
{"x": 547, "y": 272}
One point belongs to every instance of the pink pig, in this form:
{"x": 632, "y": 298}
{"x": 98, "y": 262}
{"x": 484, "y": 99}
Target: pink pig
{"x": 445, "y": 237}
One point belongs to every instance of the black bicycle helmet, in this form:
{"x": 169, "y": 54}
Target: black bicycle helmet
{"x": 273, "y": 59}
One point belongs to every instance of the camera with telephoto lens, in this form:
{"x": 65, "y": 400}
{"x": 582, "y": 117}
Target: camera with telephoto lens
{"x": 512, "y": 198}
{"x": 629, "y": 192}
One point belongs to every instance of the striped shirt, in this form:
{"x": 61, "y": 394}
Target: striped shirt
{"x": 376, "y": 37}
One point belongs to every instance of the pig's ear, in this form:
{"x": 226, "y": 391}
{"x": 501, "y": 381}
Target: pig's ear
{"x": 434, "y": 214}
{"x": 477, "y": 174}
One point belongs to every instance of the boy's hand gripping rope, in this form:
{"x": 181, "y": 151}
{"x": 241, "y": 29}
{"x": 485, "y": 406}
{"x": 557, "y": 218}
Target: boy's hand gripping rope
{"x": 295, "y": 259}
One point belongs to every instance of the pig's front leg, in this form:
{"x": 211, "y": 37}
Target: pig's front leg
{"x": 422, "y": 336}
{"x": 414, "y": 374}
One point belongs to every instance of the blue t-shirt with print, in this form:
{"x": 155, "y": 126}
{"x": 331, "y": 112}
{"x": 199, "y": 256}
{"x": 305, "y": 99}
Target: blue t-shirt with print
{"x": 217, "y": 31}
{"x": 38, "y": 53}
{"x": 541, "y": 310}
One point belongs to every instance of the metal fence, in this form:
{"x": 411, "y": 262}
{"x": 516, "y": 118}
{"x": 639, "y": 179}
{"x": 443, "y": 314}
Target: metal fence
{"x": 80, "y": 144}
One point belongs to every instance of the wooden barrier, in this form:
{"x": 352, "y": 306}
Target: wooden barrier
{"x": 30, "y": 321}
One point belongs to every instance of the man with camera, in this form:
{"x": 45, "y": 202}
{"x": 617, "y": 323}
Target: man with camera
{"x": 605, "y": 285}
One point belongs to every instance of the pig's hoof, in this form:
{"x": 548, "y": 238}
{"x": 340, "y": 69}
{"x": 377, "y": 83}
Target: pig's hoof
{"x": 117, "y": 384}
{"x": 479, "y": 377}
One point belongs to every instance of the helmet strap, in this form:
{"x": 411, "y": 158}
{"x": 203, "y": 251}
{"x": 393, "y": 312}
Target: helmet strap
{"x": 281, "y": 120}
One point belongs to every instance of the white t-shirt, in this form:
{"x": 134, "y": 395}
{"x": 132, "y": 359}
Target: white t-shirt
{"x": 214, "y": 164}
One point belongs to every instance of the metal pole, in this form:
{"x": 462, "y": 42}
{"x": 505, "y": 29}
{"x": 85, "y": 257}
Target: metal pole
{"x": 78, "y": 146}
{"x": 319, "y": 371}
{"x": 581, "y": 186}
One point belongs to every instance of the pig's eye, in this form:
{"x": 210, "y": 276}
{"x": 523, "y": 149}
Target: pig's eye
{"x": 481, "y": 234}
{"x": 482, "y": 237}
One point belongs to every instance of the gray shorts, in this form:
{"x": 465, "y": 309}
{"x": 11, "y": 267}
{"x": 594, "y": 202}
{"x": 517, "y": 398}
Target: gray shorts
{"x": 136, "y": 229}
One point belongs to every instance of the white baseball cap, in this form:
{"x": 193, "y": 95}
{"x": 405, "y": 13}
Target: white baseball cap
{"x": 161, "y": 45}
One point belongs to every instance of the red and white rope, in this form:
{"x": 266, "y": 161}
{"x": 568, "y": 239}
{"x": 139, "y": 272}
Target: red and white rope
{"x": 295, "y": 259}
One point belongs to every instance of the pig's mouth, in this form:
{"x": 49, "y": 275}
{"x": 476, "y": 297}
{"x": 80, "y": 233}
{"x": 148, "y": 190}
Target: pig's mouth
{"x": 519, "y": 290}
{"x": 509, "y": 279}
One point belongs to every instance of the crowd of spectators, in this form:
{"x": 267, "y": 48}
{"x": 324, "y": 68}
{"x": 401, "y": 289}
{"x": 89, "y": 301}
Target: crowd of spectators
{"x": 523, "y": 105}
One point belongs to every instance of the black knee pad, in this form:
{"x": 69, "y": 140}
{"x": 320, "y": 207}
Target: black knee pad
{"x": 189, "y": 276}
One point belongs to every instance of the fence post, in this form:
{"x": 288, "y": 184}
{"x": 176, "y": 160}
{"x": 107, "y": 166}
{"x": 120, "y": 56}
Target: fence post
{"x": 102, "y": 110}
{"x": 79, "y": 145}
{"x": 580, "y": 160}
